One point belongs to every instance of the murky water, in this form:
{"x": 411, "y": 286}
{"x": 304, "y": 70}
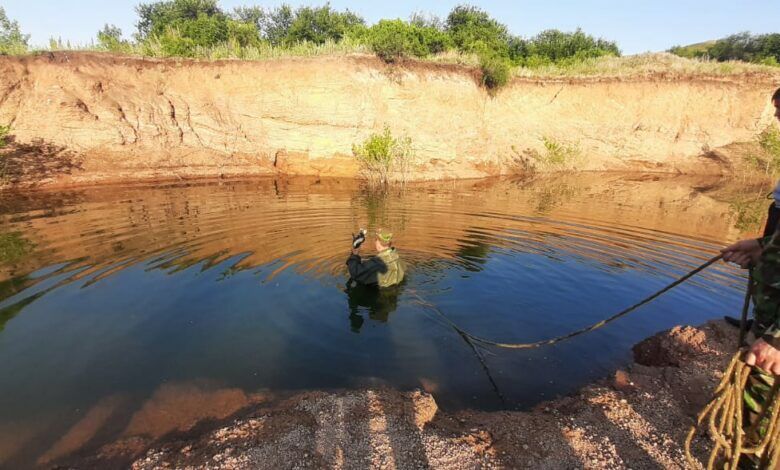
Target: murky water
{"x": 139, "y": 310}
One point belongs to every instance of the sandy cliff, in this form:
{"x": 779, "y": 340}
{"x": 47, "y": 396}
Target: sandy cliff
{"x": 92, "y": 117}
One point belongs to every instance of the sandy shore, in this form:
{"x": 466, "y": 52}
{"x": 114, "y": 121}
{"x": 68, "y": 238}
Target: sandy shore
{"x": 636, "y": 419}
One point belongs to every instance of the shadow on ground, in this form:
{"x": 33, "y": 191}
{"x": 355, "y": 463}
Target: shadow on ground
{"x": 35, "y": 161}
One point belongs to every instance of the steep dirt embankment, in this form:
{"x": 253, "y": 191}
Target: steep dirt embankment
{"x": 91, "y": 117}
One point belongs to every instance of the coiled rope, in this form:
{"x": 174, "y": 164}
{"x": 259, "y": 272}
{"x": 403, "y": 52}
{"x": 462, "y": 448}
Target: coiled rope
{"x": 558, "y": 339}
{"x": 723, "y": 415}
{"x": 723, "y": 420}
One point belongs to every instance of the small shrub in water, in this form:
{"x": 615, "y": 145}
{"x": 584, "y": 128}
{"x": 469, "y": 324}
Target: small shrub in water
{"x": 558, "y": 153}
{"x": 382, "y": 154}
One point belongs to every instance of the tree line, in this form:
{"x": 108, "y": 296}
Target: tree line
{"x": 757, "y": 48}
{"x": 180, "y": 28}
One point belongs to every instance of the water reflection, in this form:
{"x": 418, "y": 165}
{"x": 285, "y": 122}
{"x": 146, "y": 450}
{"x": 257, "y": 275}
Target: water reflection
{"x": 113, "y": 299}
{"x": 378, "y": 302}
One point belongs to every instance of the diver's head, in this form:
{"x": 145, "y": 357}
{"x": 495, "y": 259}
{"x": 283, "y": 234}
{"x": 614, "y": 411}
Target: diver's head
{"x": 776, "y": 102}
{"x": 384, "y": 240}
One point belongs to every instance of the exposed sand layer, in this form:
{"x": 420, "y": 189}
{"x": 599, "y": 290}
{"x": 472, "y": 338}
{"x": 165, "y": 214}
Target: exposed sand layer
{"x": 636, "y": 419}
{"x": 86, "y": 117}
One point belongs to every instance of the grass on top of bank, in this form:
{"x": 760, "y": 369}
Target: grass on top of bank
{"x": 468, "y": 35}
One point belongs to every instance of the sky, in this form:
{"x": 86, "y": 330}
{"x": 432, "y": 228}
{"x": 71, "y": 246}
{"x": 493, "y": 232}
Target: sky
{"x": 637, "y": 25}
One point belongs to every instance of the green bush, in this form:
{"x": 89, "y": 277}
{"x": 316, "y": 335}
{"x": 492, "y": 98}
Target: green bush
{"x": 243, "y": 33}
{"x": 382, "y": 154}
{"x": 321, "y": 24}
{"x": 556, "y": 45}
{"x": 496, "y": 70}
{"x": 769, "y": 140}
{"x": 556, "y": 156}
{"x": 558, "y": 153}
{"x": 110, "y": 39}
{"x": 179, "y": 27}
{"x": 12, "y": 41}
{"x": 390, "y": 40}
{"x": 4, "y": 132}
{"x": 394, "y": 39}
{"x": 155, "y": 19}
{"x": 473, "y": 30}
{"x": 171, "y": 44}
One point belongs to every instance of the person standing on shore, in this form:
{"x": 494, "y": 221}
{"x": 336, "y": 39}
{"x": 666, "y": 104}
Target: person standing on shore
{"x": 762, "y": 257}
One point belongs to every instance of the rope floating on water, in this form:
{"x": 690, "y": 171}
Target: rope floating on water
{"x": 587, "y": 329}
{"x": 723, "y": 417}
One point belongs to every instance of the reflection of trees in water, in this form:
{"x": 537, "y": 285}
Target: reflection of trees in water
{"x": 13, "y": 247}
{"x": 749, "y": 214}
{"x": 750, "y": 210}
{"x": 554, "y": 195}
{"x": 381, "y": 209}
{"x": 9, "y": 312}
{"x": 547, "y": 194}
{"x": 473, "y": 254}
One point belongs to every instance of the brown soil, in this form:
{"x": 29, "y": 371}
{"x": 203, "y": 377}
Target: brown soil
{"x": 81, "y": 118}
{"x": 636, "y": 419}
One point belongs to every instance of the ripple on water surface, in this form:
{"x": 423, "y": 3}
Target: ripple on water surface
{"x": 122, "y": 308}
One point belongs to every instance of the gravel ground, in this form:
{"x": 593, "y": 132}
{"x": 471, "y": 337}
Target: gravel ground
{"x": 636, "y": 419}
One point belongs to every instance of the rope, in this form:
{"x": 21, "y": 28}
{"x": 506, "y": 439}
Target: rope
{"x": 743, "y": 319}
{"x": 723, "y": 420}
{"x": 587, "y": 329}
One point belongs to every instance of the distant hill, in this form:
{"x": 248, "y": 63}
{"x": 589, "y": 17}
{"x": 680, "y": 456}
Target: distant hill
{"x": 745, "y": 47}
{"x": 693, "y": 50}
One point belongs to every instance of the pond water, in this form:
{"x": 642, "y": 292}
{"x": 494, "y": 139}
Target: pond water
{"x": 133, "y": 309}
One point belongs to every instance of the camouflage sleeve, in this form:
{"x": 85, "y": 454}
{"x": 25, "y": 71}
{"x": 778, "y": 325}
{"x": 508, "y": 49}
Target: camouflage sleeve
{"x": 767, "y": 294}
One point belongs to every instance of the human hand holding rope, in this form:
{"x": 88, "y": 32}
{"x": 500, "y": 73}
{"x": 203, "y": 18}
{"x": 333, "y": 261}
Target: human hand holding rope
{"x": 764, "y": 355}
{"x": 744, "y": 253}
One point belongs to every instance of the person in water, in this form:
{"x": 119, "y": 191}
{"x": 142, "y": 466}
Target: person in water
{"x": 383, "y": 270}
{"x": 762, "y": 257}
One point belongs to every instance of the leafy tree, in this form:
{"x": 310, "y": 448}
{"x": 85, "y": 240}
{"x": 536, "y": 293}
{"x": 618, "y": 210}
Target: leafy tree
{"x": 557, "y": 45}
{"x": 518, "y": 49}
{"x": 12, "y": 41}
{"x": 473, "y": 30}
{"x": 179, "y": 27}
{"x": 110, "y": 39}
{"x": 276, "y": 24}
{"x": 423, "y": 20}
{"x": 320, "y": 24}
{"x": 393, "y": 39}
{"x": 156, "y": 18}
{"x": 254, "y": 15}
{"x": 243, "y": 33}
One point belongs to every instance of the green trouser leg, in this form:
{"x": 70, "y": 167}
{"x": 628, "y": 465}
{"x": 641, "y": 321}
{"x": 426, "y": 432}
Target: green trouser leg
{"x": 756, "y": 398}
